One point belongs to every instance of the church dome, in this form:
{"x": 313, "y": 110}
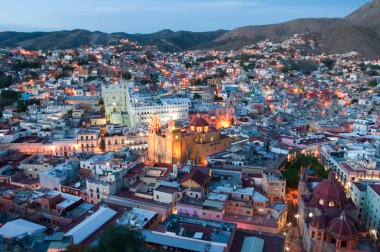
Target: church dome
{"x": 199, "y": 122}
{"x": 328, "y": 193}
{"x": 342, "y": 227}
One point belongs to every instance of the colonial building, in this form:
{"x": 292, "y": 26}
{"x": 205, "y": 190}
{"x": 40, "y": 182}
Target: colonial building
{"x": 88, "y": 139}
{"x": 124, "y": 98}
{"x": 326, "y": 217}
{"x": 176, "y": 145}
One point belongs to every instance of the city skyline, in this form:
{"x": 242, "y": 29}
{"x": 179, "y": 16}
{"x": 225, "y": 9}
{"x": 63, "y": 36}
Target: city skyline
{"x": 128, "y": 16}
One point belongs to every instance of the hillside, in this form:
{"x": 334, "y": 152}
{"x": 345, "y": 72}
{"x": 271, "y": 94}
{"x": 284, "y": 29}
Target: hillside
{"x": 368, "y": 15}
{"x": 344, "y": 39}
{"x": 278, "y": 32}
{"x": 165, "y": 39}
{"x": 57, "y": 40}
{"x": 359, "y": 31}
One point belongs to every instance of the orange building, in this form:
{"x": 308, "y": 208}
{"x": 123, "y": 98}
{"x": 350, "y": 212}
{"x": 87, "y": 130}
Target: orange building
{"x": 177, "y": 145}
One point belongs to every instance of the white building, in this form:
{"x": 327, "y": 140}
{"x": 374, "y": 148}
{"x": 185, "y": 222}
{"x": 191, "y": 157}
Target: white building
{"x": 362, "y": 126}
{"x": 366, "y": 197}
{"x": 123, "y": 97}
{"x": 53, "y": 178}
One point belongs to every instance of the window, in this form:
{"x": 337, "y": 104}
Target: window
{"x": 343, "y": 244}
{"x": 321, "y": 202}
{"x": 331, "y": 204}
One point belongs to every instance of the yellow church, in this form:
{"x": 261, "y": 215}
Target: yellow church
{"x": 178, "y": 145}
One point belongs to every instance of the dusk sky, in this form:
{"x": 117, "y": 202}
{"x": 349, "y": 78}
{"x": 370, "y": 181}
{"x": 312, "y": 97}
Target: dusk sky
{"x": 146, "y": 16}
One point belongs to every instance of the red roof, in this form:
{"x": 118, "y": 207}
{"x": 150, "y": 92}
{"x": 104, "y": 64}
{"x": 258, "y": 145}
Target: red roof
{"x": 199, "y": 122}
{"x": 197, "y": 176}
{"x": 329, "y": 190}
{"x": 342, "y": 228}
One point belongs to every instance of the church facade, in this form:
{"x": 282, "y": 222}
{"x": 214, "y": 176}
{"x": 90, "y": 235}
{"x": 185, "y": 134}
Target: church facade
{"x": 326, "y": 216}
{"x": 178, "y": 145}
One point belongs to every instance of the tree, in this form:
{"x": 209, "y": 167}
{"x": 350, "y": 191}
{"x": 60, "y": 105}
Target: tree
{"x": 120, "y": 238}
{"x": 22, "y": 105}
{"x": 329, "y": 63}
{"x": 372, "y": 83}
{"x": 197, "y": 96}
{"x": 126, "y": 75}
{"x": 267, "y": 146}
{"x": 10, "y": 94}
{"x": 221, "y": 73}
{"x": 218, "y": 98}
{"x": 187, "y": 65}
{"x": 76, "y": 248}
{"x": 5, "y": 81}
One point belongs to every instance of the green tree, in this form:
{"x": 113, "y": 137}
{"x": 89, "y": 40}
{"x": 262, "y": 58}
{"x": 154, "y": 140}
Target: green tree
{"x": 372, "y": 83}
{"x": 5, "y": 81}
{"x": 10, "y": 94}
{"x": 292, "y": 169}
{"x": 76, "y": 248}
{"x": 218, "y": 98}
{"x": 187, "y": 65}
{"x": 221, "y": 73}
{"x": 22, "y": 105}
{"x": 122, "y": 239}
{"x": 329, "y": 63}
{"x": 197, "y": 96}
{"x": 126, "y": 75}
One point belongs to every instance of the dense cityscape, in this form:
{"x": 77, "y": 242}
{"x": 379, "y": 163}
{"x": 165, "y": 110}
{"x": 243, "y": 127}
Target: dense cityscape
{"x": 127, "y": 147}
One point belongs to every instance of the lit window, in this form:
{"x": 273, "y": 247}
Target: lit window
{"x": 321, "y": 202}
{"x": 331, "y": 204}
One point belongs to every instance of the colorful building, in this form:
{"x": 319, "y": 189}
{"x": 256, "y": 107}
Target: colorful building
{"x": 176, "y": 145}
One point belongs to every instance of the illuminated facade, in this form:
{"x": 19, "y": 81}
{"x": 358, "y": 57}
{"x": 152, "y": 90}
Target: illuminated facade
{"x": 325, "y": 216}
{"x": 178, "y": 145}
{"x": 123, "y": 97}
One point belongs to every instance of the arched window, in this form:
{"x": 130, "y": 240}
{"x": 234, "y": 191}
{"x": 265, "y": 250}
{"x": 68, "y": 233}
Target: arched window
{"x": 343, "y": 244}
{"x": 331, "y": 204}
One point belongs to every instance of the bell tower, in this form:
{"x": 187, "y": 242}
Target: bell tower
{"x": 154, "y": 129}
{"x": 302, "y": 190}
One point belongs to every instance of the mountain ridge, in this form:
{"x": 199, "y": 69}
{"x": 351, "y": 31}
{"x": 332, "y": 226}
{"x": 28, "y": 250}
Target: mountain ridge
{"x": 358, "y": 31}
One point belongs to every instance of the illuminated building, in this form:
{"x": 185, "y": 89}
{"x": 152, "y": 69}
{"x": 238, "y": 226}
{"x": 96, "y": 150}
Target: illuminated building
{"x": 274, "y": 184}
{"x": 88, "y": 139}
{"x": 177, "y": 145}
{"x": 122, "y": 98}
{"x": 326, "y": 217}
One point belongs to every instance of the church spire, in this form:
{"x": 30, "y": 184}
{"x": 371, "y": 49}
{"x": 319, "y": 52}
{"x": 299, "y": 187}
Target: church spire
{"x": 171, "y": 124}
{"x": 154, "y": 125}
